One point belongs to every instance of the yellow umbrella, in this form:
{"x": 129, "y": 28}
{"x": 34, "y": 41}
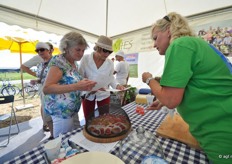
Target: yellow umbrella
{"x": 10, "y": 36}
{"x": 26, "y": 46}
{"x": 17, "y": 39}
{"x": 17, "y": 44}
{"x": 21, "y": 45}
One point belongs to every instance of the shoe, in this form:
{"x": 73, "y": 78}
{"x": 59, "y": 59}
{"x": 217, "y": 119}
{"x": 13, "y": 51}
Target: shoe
{"x": 46, "y": 128}
{"x": 51, "y": 138}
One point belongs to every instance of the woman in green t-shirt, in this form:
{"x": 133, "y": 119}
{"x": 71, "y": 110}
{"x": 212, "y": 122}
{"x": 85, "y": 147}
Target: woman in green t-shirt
{"x": 197, "y": 80}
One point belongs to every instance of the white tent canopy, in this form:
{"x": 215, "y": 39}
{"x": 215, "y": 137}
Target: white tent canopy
{"x": 98, "y": 17}
{"x": 129, "y": 20}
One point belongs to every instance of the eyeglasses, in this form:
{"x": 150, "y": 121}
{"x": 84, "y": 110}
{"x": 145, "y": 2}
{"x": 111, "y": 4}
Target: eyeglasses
{"x": 105, "y": 51}
{"x": 40, "y": 50}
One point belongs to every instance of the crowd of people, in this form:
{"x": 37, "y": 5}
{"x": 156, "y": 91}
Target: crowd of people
{"x": 65, "y": 85}
{"x": 221, "y": 38}
{"x": 197, "y": 80}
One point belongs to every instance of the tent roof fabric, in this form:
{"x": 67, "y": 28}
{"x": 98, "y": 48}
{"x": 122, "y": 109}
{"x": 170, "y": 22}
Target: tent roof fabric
{"x": 101, "y": 17}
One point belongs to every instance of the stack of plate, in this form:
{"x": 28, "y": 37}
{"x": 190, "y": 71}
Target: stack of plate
{"x": 93, "y": 158}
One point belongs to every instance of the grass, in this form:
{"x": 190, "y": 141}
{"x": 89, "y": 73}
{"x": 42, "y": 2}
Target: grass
{"x": 15, "y": 76}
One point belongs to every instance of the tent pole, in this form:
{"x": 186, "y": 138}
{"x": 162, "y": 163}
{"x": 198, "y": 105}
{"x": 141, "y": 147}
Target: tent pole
{"x": 21, "y": 72}
{"x": 107, "y": 17}
{"x": 165, "y": 5}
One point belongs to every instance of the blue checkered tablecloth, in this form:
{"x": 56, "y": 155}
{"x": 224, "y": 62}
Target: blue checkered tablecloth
{"x": 174, "y": 151}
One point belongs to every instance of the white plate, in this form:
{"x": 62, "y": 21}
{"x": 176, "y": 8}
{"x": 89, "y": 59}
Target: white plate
{"x": 93, "y": 158}
{"x": 117, "y": 90}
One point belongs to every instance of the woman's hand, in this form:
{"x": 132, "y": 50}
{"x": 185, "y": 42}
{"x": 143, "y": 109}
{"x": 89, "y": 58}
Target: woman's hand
{"x": 120, "y": 87}
{"x": 85, "y": 85}
{"x": 145, "y": 76}
{"x": 101, "y": 89}
{"x": 156, "y": 105}
{"x": 33, "y": 82}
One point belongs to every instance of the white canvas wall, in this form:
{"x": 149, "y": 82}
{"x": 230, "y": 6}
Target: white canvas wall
{"x": 148, "y": 62}
{"x": 92, "y": 16}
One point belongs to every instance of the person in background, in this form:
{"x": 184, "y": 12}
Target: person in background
{"x": 43, "y": 49}
{"x": 121, "y": 69}
{"x": 51, "y": 47}
{"x": 197, "y": 79}
{"x": 98, "y": 67}
{"x": 26, "y": 67}
{"x": 64, "y": 84}
{"x": 34, "y": 61}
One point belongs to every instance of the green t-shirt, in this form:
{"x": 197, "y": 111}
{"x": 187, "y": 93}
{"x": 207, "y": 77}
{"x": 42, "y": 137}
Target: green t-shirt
{"x": 191, "y": 63}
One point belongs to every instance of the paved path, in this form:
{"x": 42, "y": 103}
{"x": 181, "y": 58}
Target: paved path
{"x": 19, "y": 81}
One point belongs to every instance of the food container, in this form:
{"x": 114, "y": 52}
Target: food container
{"x": 107, "y": 124}
{"x": 66, "y": 149}
{"x": 52, "y": 148}
{"x": 140, "y": 144}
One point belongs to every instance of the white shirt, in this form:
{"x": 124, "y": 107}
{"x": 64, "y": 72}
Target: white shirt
{"x": 34, "y": 61}
{"x": 122, "y": 69}
{"x": 103, "y": 76}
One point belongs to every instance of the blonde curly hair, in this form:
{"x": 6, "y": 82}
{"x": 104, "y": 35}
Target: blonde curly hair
{"x": 177, "y": 24}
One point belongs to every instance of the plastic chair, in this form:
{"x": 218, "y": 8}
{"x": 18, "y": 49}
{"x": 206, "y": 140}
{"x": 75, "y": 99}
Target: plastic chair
{"x": 5, "y": 100}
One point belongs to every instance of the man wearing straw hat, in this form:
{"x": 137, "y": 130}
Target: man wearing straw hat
{"x": 98, "y": 67}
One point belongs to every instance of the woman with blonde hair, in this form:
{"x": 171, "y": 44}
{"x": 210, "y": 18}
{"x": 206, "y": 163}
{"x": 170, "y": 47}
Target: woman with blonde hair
{"x": 197, "y": 80}
{"x": 64, "y": 84}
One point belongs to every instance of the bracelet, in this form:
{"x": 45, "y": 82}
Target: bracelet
{"x": 148, "y": 80}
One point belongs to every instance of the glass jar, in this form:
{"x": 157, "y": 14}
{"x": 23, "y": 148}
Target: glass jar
{"x": 139, "y": 146}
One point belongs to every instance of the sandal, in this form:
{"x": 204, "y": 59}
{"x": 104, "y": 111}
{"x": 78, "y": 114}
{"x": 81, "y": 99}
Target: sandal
{"x": 51, "y": 138}
{"x": 46, "y": 128}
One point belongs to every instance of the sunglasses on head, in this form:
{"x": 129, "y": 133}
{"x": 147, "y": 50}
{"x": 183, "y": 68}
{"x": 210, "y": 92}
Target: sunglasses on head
{"x": 40, "y": 50}
{"x": 105, "y": 51}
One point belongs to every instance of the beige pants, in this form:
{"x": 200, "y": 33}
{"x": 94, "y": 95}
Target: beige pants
{"x": 46, "y": 118}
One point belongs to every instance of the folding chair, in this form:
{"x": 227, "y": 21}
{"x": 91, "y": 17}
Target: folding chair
{"x": 5, "y": 100}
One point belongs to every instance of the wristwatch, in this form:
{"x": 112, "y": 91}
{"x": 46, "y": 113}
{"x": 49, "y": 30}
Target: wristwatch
{"x": 148, "y": 80}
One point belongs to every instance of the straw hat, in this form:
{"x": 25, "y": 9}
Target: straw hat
{"x": 120, "y": 53}
{"x": 104, "y": 42}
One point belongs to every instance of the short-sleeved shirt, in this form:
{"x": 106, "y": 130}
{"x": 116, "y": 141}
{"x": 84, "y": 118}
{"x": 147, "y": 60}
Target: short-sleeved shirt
{"x": 42, "y": 71}
{"x": 204, "y": 72}
{"x": 67, "y": 104}
{"x": 34, "y": 61}
{"x": 122, "y": 69}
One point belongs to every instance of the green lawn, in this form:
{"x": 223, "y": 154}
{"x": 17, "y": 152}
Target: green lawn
{"x": 15, "y": 76}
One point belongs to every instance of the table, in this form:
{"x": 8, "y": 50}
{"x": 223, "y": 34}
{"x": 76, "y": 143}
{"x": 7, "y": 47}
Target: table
{"x": 174, "y": 151}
